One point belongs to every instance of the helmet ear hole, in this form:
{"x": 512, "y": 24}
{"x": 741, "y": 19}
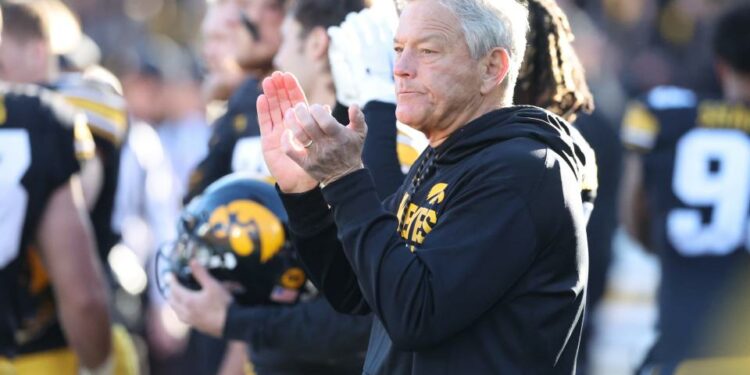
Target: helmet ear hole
{"x": 237, "y": 229}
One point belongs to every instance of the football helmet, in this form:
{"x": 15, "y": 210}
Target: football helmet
{"x": 237, "y": 230}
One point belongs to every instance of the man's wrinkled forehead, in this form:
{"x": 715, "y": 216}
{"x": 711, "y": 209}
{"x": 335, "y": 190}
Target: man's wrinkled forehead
{"x": 429, "y": 37}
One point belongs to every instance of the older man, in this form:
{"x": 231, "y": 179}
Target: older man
{"x": 477, "y": 265}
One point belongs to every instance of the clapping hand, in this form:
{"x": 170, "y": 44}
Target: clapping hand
{"x": 280, "y": 92}
{"x": 305, "y": 145}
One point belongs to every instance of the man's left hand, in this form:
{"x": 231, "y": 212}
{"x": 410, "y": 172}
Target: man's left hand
{"x": 204, "y": 309}
{"x": 324, "y": 148}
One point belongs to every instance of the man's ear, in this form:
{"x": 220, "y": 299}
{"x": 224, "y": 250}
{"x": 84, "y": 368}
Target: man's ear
{"x": 317, "y": 42}
{"x": 494, "y": 67}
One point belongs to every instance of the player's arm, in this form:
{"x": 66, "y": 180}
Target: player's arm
{"x": 66, "y": 242}
{"x": 95, "y": 96}
{"x": 312, "y": 327}
{"x": 639, "y": 133}
{"x": 633, "y": 206}
{"x": 92, "y": 180}
{"x": 589, "y": 174}
{"x": 88, "y": 155}
{"x": 380, "y": 152}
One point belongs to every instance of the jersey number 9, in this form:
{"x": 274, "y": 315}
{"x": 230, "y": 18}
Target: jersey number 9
{"x": 712, "y": 169}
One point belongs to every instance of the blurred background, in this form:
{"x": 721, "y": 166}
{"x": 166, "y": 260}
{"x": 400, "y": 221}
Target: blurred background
{"x": 155, "y": 48}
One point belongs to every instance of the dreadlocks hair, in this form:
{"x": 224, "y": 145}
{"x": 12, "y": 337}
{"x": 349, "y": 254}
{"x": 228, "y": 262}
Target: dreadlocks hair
{"x": 551, "y": 75}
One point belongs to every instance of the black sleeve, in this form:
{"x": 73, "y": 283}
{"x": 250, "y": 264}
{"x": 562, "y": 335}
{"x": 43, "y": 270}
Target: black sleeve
{"x": 218, "y": 161}
{"x": 311, "y": 222}
{"x": 380, "y": 151}
{"x": 313, "y": 234}
{"x": 311, "y": 327}
{"x": 424, "y": 297}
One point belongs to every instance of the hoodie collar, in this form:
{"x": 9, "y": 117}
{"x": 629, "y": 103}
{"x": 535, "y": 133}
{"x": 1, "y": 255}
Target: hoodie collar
{"x": 513, "y": 122}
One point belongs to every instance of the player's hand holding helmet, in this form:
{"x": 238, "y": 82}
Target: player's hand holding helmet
{"x": 236, "y": 230}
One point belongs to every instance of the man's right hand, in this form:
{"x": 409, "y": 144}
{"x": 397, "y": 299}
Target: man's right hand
{"x": 281, "y": 92}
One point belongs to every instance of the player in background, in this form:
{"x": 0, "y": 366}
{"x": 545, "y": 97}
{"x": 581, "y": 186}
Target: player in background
{"x": 43, "y": 206}
{"x": 94, "y": 92}
{"x": 27, "y": 33}
{"x": 240, "y": 38}
{"x": 552, "y": 77}
{"x": 686, "y": 196}
{"x": 239, "y": 49}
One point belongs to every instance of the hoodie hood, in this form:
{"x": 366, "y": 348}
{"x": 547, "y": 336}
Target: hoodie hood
{"x": 514, "y": 122}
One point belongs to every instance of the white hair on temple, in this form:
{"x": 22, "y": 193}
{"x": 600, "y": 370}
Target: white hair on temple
{"x": 488, "y": 24}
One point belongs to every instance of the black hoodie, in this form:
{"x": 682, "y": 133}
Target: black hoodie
{"x": 486, "y": 272}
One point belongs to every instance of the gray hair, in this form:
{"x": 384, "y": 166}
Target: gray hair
{"x": 488, "y": 24}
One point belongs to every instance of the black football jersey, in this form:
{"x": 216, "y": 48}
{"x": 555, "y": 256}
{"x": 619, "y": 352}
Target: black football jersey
{"x": 106, "y": 117}
{"x": 234, "y": 144}
{"x": 696, "y": 168}
{"x": 40, "y": 143}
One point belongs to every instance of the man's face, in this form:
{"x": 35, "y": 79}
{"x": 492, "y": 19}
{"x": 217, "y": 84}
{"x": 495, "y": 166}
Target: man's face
{"x": 267, "y": 16}
{"x": 291, "y": 56}
{"x": 218, "y": 30}
{"x": 436, "y": 77}
{"x": 21, "y": 62}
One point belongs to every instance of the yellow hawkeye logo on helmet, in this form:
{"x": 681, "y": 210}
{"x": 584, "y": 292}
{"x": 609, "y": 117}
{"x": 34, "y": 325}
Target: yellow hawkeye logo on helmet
{"x": 248, "y": 226}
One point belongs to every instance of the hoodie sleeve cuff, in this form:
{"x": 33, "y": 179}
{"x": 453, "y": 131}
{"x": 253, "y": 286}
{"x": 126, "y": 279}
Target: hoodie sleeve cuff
{"x": 308, "y": 212}
{"x": 354, "y": 198}
{"x": 243, "y": 322}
